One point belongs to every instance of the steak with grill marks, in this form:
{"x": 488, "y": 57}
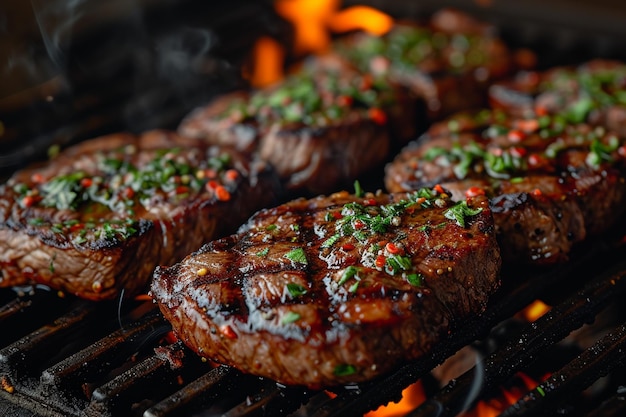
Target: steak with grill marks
{"x": 594, "y": 92}
{"x": 551, "y": 183}
{"x": 319, "y": 128}
{"x": 334, "y": 290}
{"x": 96, "y": 220}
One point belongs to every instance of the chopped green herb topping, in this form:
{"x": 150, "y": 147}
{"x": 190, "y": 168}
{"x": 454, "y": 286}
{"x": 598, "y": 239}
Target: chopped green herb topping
{"x": 397, "y": 263}
{"x": 297, "y": 255}
{"x": 460, "y": 212}
{"x": 290, "y": 317}
{"x": 358, "y": 191}
{"x": 263, "y": 252}
{"x": 348, "y": 273}
{"x": 296, "y": 290}
{"x": 415, "y": 279}
{"x": 344, "y": 370}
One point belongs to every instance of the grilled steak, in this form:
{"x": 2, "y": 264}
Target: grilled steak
{"x": 594, "y": 92}
{"x": 98, "y": 219}
{"x": 320, "y": 128}
{"x": 448, "y": 63}
{"x": 334, "y": 290}
{"x": 551, "y": 183}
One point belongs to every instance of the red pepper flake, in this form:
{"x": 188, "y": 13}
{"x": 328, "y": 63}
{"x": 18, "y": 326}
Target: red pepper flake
{"x": 345, "y": 101}
{"x": 231, "y": 174}
{"x": 420, "y": 200}
{"x": 537, "y": 192}
{"x": 393, "y": 249}
{"x": 358, "y": 224}
{"x": 366, "y": 83}
{"x": 143, "y": 297}
{"x": 439, "y": 189}
{"x": 347, "y": 246}
{"x": 182, "y": 189}
{"x": 377, "y": 115}
{"x": 210, "y": 173}
{"x": 228, "y": 331}
{"x": 170, "y": 337}
{"x": 211, "y": 185}
{"x": 516, "y": 136}
{"x": 222, "y": 193}
{"x": 381, "y": 261}
{"x": 130, "y": 193}
{"x": 37, "y": 178}
{"x": 536, "y": 160}
{"x": 86, "y": 182}
{"x": 541, "y": 110}
{"x": 337, "y": 215}
{"x": 474, "y": 191}
{"x": 28, "y": 201}
{"x": 76, "y": 227}
{"x": 369, "y": 202}
{"x": 518, "y": 151}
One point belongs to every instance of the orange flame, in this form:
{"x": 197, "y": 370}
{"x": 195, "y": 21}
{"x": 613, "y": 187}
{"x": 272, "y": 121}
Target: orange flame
{"x": 412, "y": 397}
{"x": 535, "y": 310}
{"x": 313, "y": 22}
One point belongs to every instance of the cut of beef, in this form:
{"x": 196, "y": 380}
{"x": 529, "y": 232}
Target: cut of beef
{"x": 551, "y": 183}
{"x": 98, "y": 218}
{"x": 594, "y": 92}
{"x": 319, "y": 128}
{"x": 334, "y": 290}
{"x": 448, "y": 63}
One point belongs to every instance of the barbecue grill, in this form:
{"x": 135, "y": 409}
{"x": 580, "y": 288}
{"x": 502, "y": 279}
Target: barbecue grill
{"x": 61, "y": 356}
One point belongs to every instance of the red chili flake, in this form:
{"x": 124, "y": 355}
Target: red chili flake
{"x": 182, "y": 189}
{"x": 621, "y": 151}
{"x": 377, "y": 115}
{"x": 366, "y": 82}
{"x": 380, "y": 261}
{"x": 28, "y": 201}
{"x": 516, "y": 136}
{"x": 143, "y": 297}
{"x": 77, "y": 226}
{"x": 358, "y": 224}
{"x": 37, "y": 178}
{"x": 211, "y": 185}
{"x": 345, "y": 101}
{"x": 231, "y": 174}
{"x": 536, "y": 160}
{"x": 130, "y": 193}
{"x": 541, "y": 110}
{"x": 527, "y": 125}
{"x": 170, "y": 337}
{"x": 86, "y": 182}
{"x": 337, "y": 215}
{"x": 210, "y": 173}
{"x": 518, "y": 151}
{"x": 439, "y": 189}
{"x": 474, "y": 191}
{"x": 369, "y": 202}
{"x": 420, "y": 200}
{"x": 347, "y": 246}
{"x": 537, "y": 192}
{"x": 222, "y": 193}
{"x": 228, "y": 331}
{"x": 393, "y": 249}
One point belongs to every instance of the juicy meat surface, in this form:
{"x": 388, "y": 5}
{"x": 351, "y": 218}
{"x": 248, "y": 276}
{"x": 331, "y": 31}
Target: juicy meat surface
{"x": 334, "y": 290}
{"x": 96, "y": 220}
{"x": 594, "y": 92}
{"x": 551, "y": 183}
{"x": 319, "y": 128}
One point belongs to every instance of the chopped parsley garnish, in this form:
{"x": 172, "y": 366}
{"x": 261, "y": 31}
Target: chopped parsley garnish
{"x": 344, "y": 370}
{"x": 297, "y": 255}
{"x": 271, "y": 227}
{"x": 290, "y": 317}
{"x": 397, "y": 263}
{"x": 460, "y": 212}
{"x": 348, "y": 273}
{"x": 263, "y": 252}
{"x": 599, "y": 152}
{"x": 296, "y": 290}
{"x": 416, "y": 279}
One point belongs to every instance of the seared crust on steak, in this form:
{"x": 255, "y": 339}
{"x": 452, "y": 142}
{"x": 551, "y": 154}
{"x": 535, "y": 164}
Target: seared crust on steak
{"x": 594, "y": 92}
{"x": 97, "y": 219}
{"x": 551, "y": 183}
{"x": 319, "y": 128}
{"x": 334, "y": 290}
{"x": 448, "y": 63}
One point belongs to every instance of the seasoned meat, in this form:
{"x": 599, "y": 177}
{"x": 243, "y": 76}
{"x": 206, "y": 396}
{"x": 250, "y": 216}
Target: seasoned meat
{"x": 551, "y": 183}
{"x": 96, "y": 220}
{"x": 337, "y": 289}
{"x": 320, "y": 128}
{"x": 594, "y": 92}
{"x": 448, "y": 63}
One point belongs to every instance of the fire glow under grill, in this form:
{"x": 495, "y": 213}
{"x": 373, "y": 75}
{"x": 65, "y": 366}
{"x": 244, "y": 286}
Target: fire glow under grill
{"x": 65, "y": 357}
